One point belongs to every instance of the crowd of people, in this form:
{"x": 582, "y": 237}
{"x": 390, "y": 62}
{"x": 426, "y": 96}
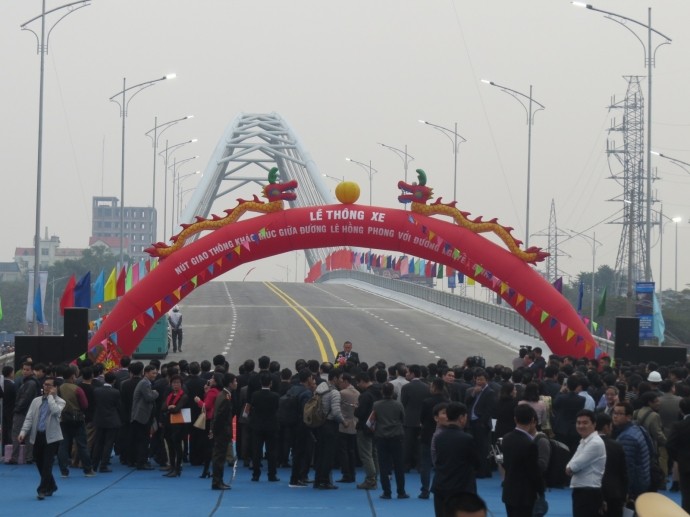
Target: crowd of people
{"x": 625, "y": 427}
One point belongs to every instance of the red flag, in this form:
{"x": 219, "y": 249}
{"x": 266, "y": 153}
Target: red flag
{"x": 122, "y": 277}
{"x": 67, "y": 299}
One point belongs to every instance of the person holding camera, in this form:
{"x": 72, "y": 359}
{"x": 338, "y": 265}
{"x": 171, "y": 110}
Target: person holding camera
{"x": 42, "y": 424}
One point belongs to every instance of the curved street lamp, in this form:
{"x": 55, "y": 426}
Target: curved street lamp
{"x": 120, "y": 98}
{"x": 649, "y": 55}
{"x": 518, "y": 96}
{"x": 154, "y": 140}
{"x": 456, "y": 147}
{"x": 43, "y": 41}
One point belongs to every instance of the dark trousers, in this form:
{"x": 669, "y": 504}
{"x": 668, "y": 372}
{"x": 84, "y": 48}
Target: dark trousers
{"x": 220, "y": 450}
{"x": 684, "y": 482}
{"x": 174, "y": 433}
{"x": 412, "y": 452}
{"x": 614, "y": 507}
{"x": 425, "y": 466}
{"x": 347, "y": 444}
{"x": 586, "y": 501}
{"x": 480, "y": 432}
{"x": 326, "y": 440}
{"x": 139, "y": 434}
{"x": 197, "y": 444}
{"x": 521, "y": 511}
{"x": 73, "y": 433}
{"x": 302, "y": 453}
{"x": 391, "y": 461}
{"x": 44, "y": 456}
{"x": 123, "y": 446}
{"x": 177, "y": 340}
{"x": 261, "y": 439}
{"x": 103, "y": 445}
{"x": 285, "y": 443}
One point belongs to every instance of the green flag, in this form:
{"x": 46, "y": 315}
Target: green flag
{"x": 602, "y": 305}
{"x": 0, "y": 308}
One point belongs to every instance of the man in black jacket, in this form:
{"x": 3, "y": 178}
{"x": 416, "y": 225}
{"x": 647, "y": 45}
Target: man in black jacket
{"x": 263, "y": 423}
{"x": 370, "y": 393}
{"x": 106, "y": 420}
{"x": 412, "y": 396}
{"x": 221, "y": 431}
{"x": 565, "y": 408}
{"x": 347, "y": 354}
{"x": 678, "y": 446}
{"x": 480, "y": 402}
{"x": 523, "y": 482}
{"x": 614, "y": 484}
{"x": 456, "y": 458}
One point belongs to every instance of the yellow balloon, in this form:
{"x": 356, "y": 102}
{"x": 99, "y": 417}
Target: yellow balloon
{"x": 347, "y": 192}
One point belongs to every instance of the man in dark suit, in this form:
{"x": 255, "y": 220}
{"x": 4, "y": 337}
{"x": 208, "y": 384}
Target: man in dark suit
{"x": 614, "y": 484}
{"x": 412, "y": 397}
{"x": 456, "y": 459}
{"x": 106, "y": 420}
{"x": 263, "y": 424}
{"x": 480, "y": 402}
{"x": 125, "y": 446}
{"x": 678, "y": 446}
{"x": 523, "y": 482}
{"x": 194, "y": 387}
{"x": 565, "y": 409}
{"x": 143, "y": 404}
{"x": 221, "y": 431}
{"x": 347, "y": 354}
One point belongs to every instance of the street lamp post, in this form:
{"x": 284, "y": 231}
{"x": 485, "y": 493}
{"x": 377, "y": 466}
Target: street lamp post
{"x": 180, "y": 179}
{"x": 402, "y": 154}
{"x": 371, "y": 171}
{"x": 676, "y": 220}
{"x": 169, "y": 150}
{"x": 649, "y": 54}
{"x": 123, "y": 102}
{"x": 456, "y": 140}
{"x": 531, "y": 111}
{"x": 594, "y": 243}
{"x": 43, "y": 41}
{"x": 175, "y": 184}
{"x": 154, "y": 140}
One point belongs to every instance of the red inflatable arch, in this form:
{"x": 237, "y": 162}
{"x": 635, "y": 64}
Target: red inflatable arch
{"x": 349, "y": 225}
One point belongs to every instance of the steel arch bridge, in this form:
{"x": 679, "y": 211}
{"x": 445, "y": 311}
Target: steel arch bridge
{"x": 252, "y": 144}
{"x": 248, "y": 152}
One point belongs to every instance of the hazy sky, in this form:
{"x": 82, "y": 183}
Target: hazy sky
{"x": 346, "y": 75}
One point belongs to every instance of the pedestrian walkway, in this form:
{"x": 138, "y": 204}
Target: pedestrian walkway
{"x": 127, "y": 489}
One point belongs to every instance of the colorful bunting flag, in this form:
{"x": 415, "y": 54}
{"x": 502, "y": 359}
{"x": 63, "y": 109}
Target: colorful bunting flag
{"x": 82, "y": 291}
{"x": 67, "y": 299}
{"x": 110, "y": 290}
{"x": 99, "y": 289}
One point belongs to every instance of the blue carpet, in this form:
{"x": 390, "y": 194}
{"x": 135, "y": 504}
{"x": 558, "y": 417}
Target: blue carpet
{"x": 126, "y": 490}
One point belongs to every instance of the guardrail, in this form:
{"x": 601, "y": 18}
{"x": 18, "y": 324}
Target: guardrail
{"x": 498, "y": 315}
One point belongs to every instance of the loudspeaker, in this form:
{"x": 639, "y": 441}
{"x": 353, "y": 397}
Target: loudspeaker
{"x": 47, "y": 349}
{"x": 627, "y": 337}
{"x": 77, "y": 327}
{"x": 664, "y": 355}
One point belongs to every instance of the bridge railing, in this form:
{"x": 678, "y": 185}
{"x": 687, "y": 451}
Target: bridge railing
{"x": 502, "y": 316}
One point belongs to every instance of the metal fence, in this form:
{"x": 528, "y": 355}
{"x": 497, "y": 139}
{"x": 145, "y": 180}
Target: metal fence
{"x": 496, "y": 314}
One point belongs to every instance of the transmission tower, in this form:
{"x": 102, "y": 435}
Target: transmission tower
{"x": 626, "y": 146}
{"x": 552, "y": 259}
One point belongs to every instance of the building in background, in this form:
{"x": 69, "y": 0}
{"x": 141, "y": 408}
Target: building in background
{"x": 51, "y": 252}
{"x": 139, "y": 230}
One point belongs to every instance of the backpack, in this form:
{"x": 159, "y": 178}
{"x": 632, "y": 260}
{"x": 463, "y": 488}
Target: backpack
{"x": 314, "y": 415}
{"x": 555, "y": 476}
{"x": 288, "y": 409}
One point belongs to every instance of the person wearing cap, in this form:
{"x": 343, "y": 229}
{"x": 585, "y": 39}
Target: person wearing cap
{"x": 175, "y": 321}
{"x": 654, "y": 378}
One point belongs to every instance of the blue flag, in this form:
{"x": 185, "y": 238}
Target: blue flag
{"x": 82, "y": 291}
{"x": 99, "y": 288}
{"x": 38, "y": 306}
{"x": 580, "y": 294}
{"x": 659, "y": 324}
